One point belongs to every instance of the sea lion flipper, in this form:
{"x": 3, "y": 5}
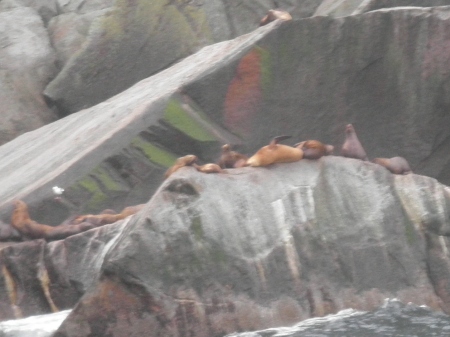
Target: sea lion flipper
{"x": 277, "y": 139}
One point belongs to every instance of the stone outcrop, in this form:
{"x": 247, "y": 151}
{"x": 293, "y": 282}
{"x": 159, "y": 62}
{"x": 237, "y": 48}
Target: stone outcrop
{"x": 27, "y": 64}
{"x": 258, "y": 247}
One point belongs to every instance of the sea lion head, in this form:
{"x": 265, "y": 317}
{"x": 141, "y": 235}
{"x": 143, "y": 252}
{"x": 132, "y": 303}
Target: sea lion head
{"x": 226, "y": 148}
{"x": 187, "y": 160}
{"x": 349, "y": 129}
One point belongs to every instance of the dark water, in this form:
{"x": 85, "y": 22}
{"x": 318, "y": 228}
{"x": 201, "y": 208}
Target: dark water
{"x": 392, "y": 319}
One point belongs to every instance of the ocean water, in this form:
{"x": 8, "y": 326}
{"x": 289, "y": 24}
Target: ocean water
{"x": 392, "y": 319}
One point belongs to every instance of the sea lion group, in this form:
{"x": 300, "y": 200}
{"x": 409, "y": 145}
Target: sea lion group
{"x": 30, "y": 229}
{"x": 265, "y": 156}
{"x": 279, "y": 153}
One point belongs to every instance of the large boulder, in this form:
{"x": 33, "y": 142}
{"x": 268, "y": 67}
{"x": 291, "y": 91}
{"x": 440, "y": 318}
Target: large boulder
{"x": 258, "y": 247}
{"x": 27, "y": 65}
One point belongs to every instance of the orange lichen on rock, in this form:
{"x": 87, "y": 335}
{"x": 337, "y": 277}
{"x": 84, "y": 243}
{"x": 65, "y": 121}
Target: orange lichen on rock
{"x": 244, "y": 94}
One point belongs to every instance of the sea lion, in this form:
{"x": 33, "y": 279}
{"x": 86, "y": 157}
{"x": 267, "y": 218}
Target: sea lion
{"x": 274, "y": 14}
{"x": 352, "y": 148}
{"x": 208, "y": 168}
{"x": 313, "y": 149}
{"x": 397, "y": 165}
{"x": 181, "y": 162}
{"x": 231, "y": 159}
{"x": 108, "y": 217}
{"x": 30, "y": 229}
{"x": 275, "y": 153}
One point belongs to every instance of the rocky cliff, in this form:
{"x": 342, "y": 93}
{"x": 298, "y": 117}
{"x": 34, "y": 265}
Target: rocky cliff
{"x": 260, "y": 247}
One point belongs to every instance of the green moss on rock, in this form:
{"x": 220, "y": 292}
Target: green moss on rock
{"x": 107, "y": 180}
{"x": 180, "y": 120}
{"x": 97, "y": 196}
{"x": 154, "y": 153}
{"x": 196, "y": 227}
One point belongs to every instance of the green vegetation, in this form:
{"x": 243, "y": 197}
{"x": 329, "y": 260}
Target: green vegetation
{"x": 196, "y": 227}
{"x": 179, "y": 119}
{"x": 154, "y": 153}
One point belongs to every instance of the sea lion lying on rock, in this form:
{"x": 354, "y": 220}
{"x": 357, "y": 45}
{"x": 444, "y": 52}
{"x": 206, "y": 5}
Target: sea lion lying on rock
{"x": 208, "y": 168}
{"x": 231, "y": 159}
{"x": 313, "y": 149}
{"x": 397, "y": 165}
{"x": 275, "y": 14}
{"x": 187, "y": 160}
{"x": 107, "y": 217}
{"x": 275, "y": 153}
{"x": 30, "y": 229}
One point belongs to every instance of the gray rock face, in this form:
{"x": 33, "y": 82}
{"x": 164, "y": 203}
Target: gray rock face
{"x": 259, "y": 247}
{"x": 338, "y": 8}
{"x": 39, "y": 277}
{"x": 46, "y": 8}
{"x": 371, "y": 5}
{"x": 133, "y": 40}
{"x": 27, "y": 65}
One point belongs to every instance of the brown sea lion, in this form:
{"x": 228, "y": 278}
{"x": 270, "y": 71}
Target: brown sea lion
{"x": 181, "y": 162}
{"x": 231, "y": 159}
{"x": 275, "y": 153}
{"x": 352, "y": 147}
{"x": 313, "y": 149}
{"x": 208, "y": 168}
{"x": 397, "y": 165}
{"x": 108, "y": 217}
{"x": 274, "y": 14}
{"x": 30, "y": 229}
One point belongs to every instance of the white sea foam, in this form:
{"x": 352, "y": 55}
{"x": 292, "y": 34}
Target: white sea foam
{"x": 36, "y": 326}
